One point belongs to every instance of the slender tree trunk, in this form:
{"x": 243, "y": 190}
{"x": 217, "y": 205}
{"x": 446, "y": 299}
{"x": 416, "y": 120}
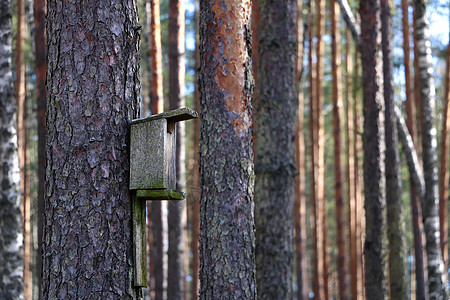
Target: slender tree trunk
{"x": 412, "y": 127}
{"x": 436, "y": 278}
{"x": 319, "y": 119}
{"x": 374, "y": 152}
{"x": 176, "y": 275}
{"x": 395, "y": 222}
{"x": 41, "y": 98}
{"x": 158, "y": 208}
{"x": 275, "y": 168}
{"x": 342, "y": 263}
{"x": 227, "y": 267}
{"x": 196, "y": 171}
{"x": 93, "y": 91}
{"x": 300, "y": 195}
{"x": 417, "y": 96}
{"x": 444, "y": 173}
{"x": 318, "y": 283}
{"x": 21, "y": 141}
{"x": 11, "y": 232}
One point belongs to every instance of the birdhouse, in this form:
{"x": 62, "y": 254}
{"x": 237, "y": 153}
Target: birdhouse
{"x": 153, "y": 155}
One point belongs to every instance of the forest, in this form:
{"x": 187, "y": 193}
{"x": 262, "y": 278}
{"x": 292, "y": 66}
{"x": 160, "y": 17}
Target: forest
{"x": 204, "y": 149}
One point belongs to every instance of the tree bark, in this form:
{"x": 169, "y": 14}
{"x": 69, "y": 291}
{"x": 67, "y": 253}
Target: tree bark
{"x": 41, "y": 99}
{"x": 374, "y": 152}
{"x": 444, "y": 171}
{"x": 176, "y": 283}
{"x": 11, "y": 233}
{"x": 156, "y": 97}
{"x": 430, "y": 205}
{"x": 275, "y": 168}
{"x": 395, "y": 214}
{"x": 93, "y": 92}
{"x": 300, "y": 195}
{"x": 227, "y": 268}
{"x": 342, "y": 262}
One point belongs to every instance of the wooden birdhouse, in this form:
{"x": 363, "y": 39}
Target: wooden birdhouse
{"x": 153, "y": 155}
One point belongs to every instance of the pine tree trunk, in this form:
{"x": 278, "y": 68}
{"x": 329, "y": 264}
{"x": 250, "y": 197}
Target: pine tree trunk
{"x": 436, "y": 278}
{"x": 300, "y": 195}
{"x": 41, "y": 98}
{"x": 176, "y": 275}
{"x": 444, "y": 171}
{"x": 196, "y": 170}
{"x": 227, "y": 267}
{"x": 374, "y": 152}
{"x": 395, "y": 214}
{"x": 93, "y": 92}
{"x": 156, "y": 97}
{"x": 412, "y": 127}
{"x": 276, "y": 115}
{"x": 320, "y": 132}
{"x": 11, "y": 233}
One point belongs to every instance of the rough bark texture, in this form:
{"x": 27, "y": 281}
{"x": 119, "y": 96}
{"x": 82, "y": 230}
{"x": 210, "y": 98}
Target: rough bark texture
{"x": 156, "y": 96}
{"x": 374, "y": 152}
{"x": 341, "y": 221}
{"x": 444, "y": 171}
{"x": 300, "y": 184}
{"x": 395, "y": 223}
{"x": 275, "y": 163}
{"x": 430, "y": 205}
{"x": 93, "y": 91}
{"x": 176, "y": 276}
{"x": 11, "y": 233}
{"x": 227, "y": 268}
{"x": 41, "y": 98}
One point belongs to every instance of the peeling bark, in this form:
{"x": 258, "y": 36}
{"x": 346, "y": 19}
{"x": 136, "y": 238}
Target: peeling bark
{"x": 227, "y": 268}
{"x": 93, "y": 94}
{"x": 11, "y": 233}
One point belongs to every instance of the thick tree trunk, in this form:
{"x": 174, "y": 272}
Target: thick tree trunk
{"x": 93, "y": 92}
{"x": 275, "y": 162}
{"x": 342, "y": 262}
{"x": 300, "y": 195}
{"x": 176, "y": 283}
{"x": 444, "y": 171}
{"x": 395, "y": 222}
{"x": 374, "y": 152}
{"x": 227, "y": 267}
{"x": 11, "y": 233}
{"x": 41, "y": 99}
{"x": 436, "y": 279}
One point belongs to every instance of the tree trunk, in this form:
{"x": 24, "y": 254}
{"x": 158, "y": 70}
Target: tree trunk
{"x": 395, "y": 214}
{"x": 319, "y": 119}
{"x": 11, "y": 233}
{"x": 374, "y": 152}
{"x": 300, "y": 195}
{"x": 274, "y": 162}
{"x": 227, "y": 267}
{"x": 93, "y": 92}
{"x": 196, "y": 171}
{"x": 176, "y": 275}
{"x": 41, "y": 98}
{"x": 436, "y": 278}
{"x": 156, "y": 97}
{"x": 342, "y": 263}
{"x": 444, "y": 173}
{"x": 22, "y": 144}
{"x": 412, "y": 127}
